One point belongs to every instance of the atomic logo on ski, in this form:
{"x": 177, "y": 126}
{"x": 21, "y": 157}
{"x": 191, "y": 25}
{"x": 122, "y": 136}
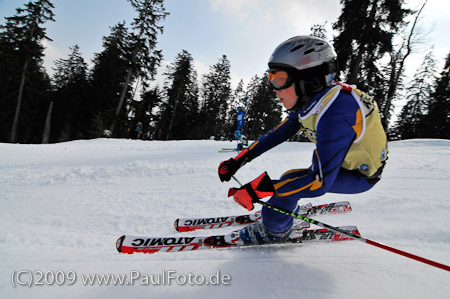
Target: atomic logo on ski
{"x": 162, "y": 241}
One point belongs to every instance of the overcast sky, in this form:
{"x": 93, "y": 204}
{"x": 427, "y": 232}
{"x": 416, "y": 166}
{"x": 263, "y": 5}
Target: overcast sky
{"x": 247, "y": 31}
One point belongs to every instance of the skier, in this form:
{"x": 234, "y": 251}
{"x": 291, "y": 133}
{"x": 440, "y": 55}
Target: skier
{"x": 138, "y": 130}
{"x": 343, "y": 122}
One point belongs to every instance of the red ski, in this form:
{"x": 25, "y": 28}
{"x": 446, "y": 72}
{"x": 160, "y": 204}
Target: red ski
{"x": 300, "y": 235}
{"x": 190, "y": 224}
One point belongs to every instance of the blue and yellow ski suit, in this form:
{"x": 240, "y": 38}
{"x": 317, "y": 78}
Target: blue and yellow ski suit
{"x": 351, "y": 150}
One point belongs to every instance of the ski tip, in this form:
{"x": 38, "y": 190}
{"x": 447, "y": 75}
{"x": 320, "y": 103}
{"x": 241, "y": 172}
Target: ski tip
{"x": 119, "y": 243}
{"x": 175, "y": 225}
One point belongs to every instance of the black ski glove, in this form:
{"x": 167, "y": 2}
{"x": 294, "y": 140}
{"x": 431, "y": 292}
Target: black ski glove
{"x": 229, "y": 167}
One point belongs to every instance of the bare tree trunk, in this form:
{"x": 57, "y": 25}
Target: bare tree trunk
{"x": 125, "y": 86}
{"x": 173, "y": 114}
{"x": 121, "y": 99}
{"x": 13, "y": 137}
{"x": 48, "y": 120}
{"x": 356, "y": 66}
{"x": 397, "y": 65}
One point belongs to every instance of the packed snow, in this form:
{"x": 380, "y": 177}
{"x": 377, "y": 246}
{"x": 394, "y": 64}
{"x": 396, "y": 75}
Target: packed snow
{"x": 63, "y": 206}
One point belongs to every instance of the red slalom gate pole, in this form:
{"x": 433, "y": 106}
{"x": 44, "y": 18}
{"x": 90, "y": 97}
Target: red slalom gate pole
{"x": 356, "y": 237}
{"x": 408, "y": 255}
{"x": 351, "y": 235}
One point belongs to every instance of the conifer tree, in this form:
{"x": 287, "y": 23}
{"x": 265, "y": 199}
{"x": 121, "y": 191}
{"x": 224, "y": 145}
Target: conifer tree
{"x": 237, "y": 102}
{"x": 107, "y": 79}
{"x": 72, "y": 110}
{"x": 419, "y": 91}
{"x": 23, "y": 78}
{"x": 216, "y": 92}
{"x": 366, "y": 29}
{"x": 145, "y": 58}
{"x": 394, "y": 70}
{"x": 319, "y": 31}
{"x": 147, "y": 110}
{"x": 181, "y": 109}
{"x": 264, "y": 112}
{"x": 436, "y": 123}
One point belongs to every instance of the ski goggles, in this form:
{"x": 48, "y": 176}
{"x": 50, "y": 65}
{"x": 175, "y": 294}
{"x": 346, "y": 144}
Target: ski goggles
{"x": 280, "y": 79}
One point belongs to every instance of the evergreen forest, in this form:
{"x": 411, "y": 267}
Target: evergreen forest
{"x": 113, "y": 97}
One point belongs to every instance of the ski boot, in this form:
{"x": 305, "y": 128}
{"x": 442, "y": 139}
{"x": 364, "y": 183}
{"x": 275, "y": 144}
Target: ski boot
{"x": 256, "y": 233}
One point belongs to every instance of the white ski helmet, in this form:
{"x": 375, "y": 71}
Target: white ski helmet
{"x": 302, "y": 52}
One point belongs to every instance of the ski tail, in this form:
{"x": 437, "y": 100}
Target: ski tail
{"x": 119, "y": 243}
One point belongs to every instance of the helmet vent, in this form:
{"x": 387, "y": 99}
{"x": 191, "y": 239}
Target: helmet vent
{"x": 297, "y": 47}
{"x": 308, "y": 51}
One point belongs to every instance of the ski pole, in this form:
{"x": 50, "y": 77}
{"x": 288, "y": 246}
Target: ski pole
{"x": 351, "y": 235}
{"x": 234, "y": 178}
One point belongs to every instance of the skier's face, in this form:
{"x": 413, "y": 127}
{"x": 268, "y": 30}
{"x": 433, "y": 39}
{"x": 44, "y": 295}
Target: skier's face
{"x": 287, "y": 96}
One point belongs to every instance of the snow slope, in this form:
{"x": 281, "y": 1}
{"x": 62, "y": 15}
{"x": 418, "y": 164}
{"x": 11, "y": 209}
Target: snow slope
{"x": 63, "y": 206}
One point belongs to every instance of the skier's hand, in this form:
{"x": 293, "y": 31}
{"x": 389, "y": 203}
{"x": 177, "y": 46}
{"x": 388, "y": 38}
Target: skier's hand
{"x": 229, "y": 167}
{"x": 260, "y": 187}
